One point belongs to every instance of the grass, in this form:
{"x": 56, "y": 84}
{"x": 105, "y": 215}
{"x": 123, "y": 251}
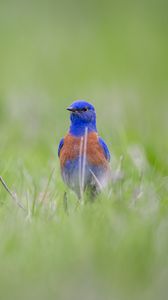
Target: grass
{"x": 115, "y": 57}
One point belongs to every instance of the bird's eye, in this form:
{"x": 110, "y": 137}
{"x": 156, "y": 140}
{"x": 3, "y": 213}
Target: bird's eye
{"x": 85, "y": 109}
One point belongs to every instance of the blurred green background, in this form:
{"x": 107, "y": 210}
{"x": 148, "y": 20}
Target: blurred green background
{"x": 115, "y": 55}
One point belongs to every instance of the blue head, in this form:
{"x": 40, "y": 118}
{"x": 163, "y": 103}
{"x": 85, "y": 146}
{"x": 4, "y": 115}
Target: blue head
{"x": 82, "y": 115}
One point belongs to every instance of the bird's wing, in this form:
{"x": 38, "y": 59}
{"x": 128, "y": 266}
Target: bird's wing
{"x": 60, "y": 146}
{"x": 105, "y": 149}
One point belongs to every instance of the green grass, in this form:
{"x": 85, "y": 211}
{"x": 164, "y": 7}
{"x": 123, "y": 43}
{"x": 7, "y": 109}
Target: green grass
{"x": 113, "y": 54}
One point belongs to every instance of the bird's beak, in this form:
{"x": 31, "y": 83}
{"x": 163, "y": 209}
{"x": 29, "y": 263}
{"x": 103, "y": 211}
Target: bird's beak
{"x": 70, "y": 108}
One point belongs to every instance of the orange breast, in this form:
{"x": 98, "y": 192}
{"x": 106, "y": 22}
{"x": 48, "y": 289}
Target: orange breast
{"x": 94, "y": 152}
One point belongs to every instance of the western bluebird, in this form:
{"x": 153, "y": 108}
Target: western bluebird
{"x": 84, "y": 156}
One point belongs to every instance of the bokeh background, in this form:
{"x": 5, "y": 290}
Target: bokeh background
{"x": 114, "y": 54}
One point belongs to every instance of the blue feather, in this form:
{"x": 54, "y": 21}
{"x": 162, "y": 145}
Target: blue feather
{"x": 60, "y": 146}
{"x": 105, "y": 149}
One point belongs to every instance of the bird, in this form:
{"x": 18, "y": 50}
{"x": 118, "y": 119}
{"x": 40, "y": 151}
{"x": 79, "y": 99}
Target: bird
{"x": 83, "y": 154}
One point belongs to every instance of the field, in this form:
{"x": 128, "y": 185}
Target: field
{"x": 113, "y": 54}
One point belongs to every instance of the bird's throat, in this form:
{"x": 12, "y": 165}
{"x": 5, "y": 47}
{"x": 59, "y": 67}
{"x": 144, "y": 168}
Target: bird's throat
{"x": 79, "y": 128}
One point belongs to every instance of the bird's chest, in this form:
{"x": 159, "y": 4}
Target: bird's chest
{"x": 76, "y": 147}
